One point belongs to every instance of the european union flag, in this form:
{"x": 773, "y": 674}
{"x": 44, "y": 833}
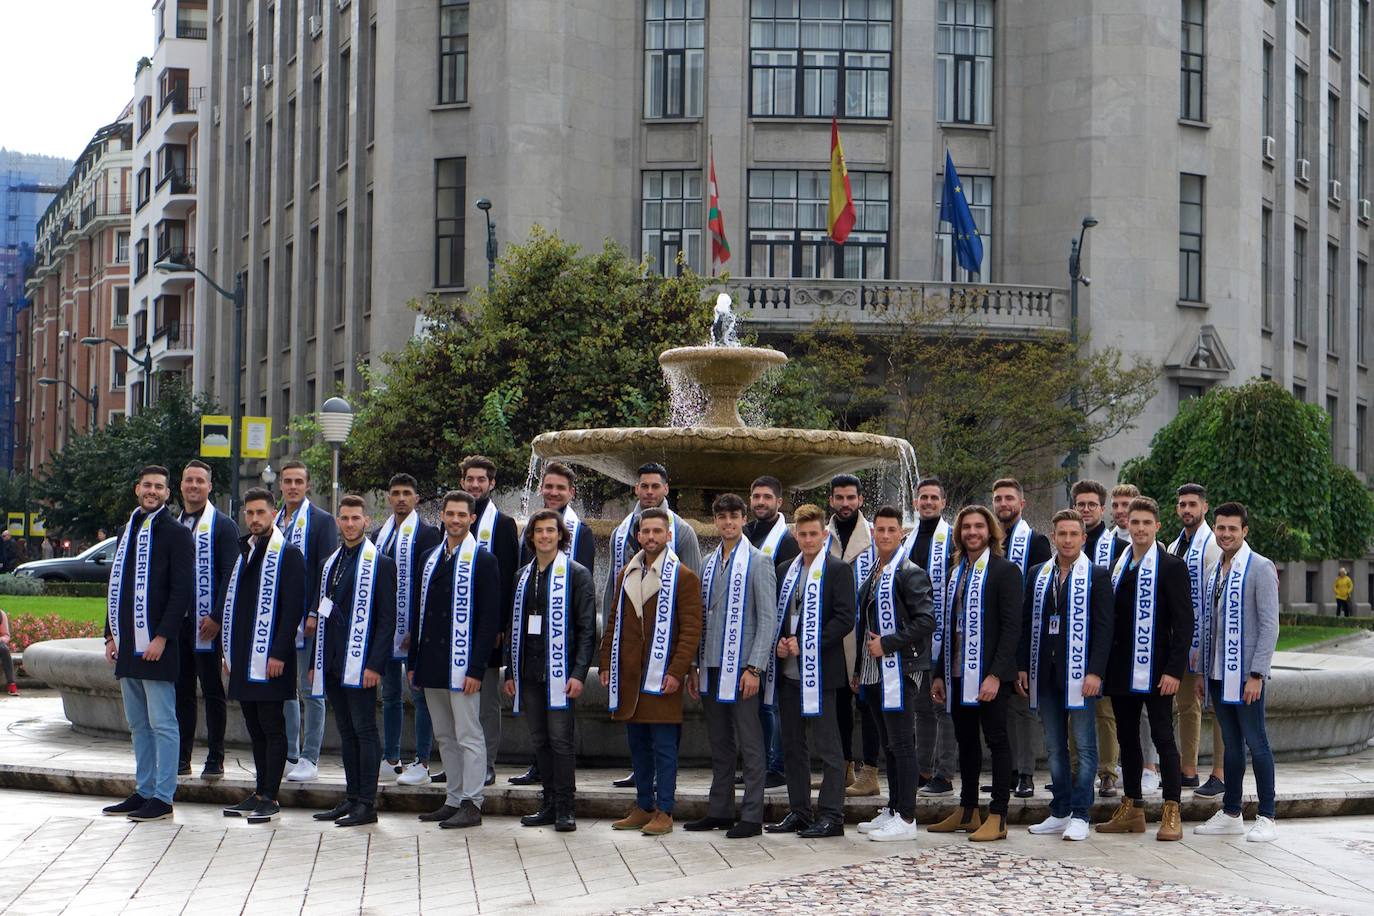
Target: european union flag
{"x": 968, "y": 247}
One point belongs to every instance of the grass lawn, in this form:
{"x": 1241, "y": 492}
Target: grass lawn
{"x": 1296, "y": 637}
{"x": 92, "y": 609}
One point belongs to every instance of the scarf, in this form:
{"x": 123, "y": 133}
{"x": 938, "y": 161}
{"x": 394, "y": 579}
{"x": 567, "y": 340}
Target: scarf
{"x": 143, "y": 557}
{"x": 297, "y": 531}
{"x": 1104, "y": 551}
{"x": 205, "y": 573}
{"x": 1143, "y": 642}
{"x": 460, "y": 626}
{"x": 621, "y": 552}
{"x": 1233, "y": 622}
{"x": 662, "y": 638}
{"x": 359, "y": 619}
{"x": 556, "y": 615}
{"x": 1018, "y": 545}
{"x": 405, "y": 562}
{"x": 736, "y": 604}
{"x": 890, "y": 663}
{"x": 1079, "y": 584}
{"x": 971, "y": 672}
{"x": 574, "y": 525}
{"x": 1196, "y": 558}
{"x": 769, "y": 547}
{"x": 265, "y": 614}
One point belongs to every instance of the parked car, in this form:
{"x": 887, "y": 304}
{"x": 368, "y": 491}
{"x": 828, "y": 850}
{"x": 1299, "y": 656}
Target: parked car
{"x": 91, "y": 565}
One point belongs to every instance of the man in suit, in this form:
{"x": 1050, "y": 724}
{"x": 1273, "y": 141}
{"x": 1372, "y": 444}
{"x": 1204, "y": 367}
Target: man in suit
{"x": 1108, "y": 749}
{"x": 895, "y": 622}
{"x": 767, "y": 530}
{"x": 974, "y": 666}
{"x": 355, "y": 623}
{"x": 815, "y": 605}
{"x": 313, "y": 532}
{"x": 1240, "y": 632}
{"x": 932, "y": 549}
{"x": 650, "y": 641}
{"x": 1066, "y": 635}
{"x": 404, "y": 538}
{"x": 262, "y": 612}
{"x": 150, "y": 593}
{"x": 1151, "y": 636}
{"x": 216, "y": 540}
{"x": 1025, "y": 548}
{"x": 739, "y": 594}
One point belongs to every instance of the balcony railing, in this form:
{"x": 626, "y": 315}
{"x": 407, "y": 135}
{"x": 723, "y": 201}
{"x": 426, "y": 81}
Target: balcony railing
{"x": 182, "y": 98}
{"x": 191, "y": 28}
{"x": 182, "y": 181}
{"x": 111, "y": 205}
{"x": 178, "y": 253}
{"x": 174, "y": 333}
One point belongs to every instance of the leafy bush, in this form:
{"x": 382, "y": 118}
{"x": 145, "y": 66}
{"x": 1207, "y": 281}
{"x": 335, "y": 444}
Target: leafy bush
{"x": 75, "y": 589}
{"x": 11, "y": 584}
{"x": 27, "y": 629}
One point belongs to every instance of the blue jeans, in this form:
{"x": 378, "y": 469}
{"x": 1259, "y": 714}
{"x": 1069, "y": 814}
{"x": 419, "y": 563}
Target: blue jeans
{"x": 653, "y": 754}
{"x": 151, "y": 708}
{"x": 772, "y": 737}
{"x": 1242, "y": 726}
{"x": 1071, "y": 794}
{"x": 309, "y": 748}
{"x": 394, "y": 712}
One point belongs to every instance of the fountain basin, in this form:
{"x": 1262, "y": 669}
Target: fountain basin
{"x": 722, "y": 374}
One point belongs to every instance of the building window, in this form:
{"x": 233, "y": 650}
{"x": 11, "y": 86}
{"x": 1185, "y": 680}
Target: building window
{"x": 674, "y": 58}
{"x": 365, "y": 288}
{"x": 341, "y": 284}
{"x": 1363, "y": 39}
{"x": 1266, "y": 292}
{"x": 140, "y": 259}
{"x": 316, "y": 147}
{"x": 1333, "y": 149}
{"x": 1332, "y": 408}
{"x": 1299, "y": 114}
{"x": 672, "y": 220}
{"x": 1361, "y": 291}
{"x": 119, "y": 314}
{"x": 1331, "y": 12}
{"x": 289, "y": 154}
{"x": 345, "y": 100}
{"x": 1333, "y": 262}
{"x": 803, "y": 51}
{"x": 1300, "y": 10}
{"x": 1190, "y": 222}
{"x": 1300, "y": 391}
{"x": 1191, "y": 75}
{"x": 145, "y": 115}
{"x": 789, "y": 232}
{"x": 262, "y": 309}
{"x": 312, "y": 297}
{"x": 1299, "y": 284}
{"x": 145, "y": 186}
{"x": 288, "y": 286}
{"x": 450, "y": 192}
{"x": 1267, "y": 90}
{"x": 1361, "y": 431}
{"x": 268, "y": 166}
{"x": 290, "y": 27}
{"x": 121, "y": 251}
{"x": 119, "y": 370}
{"x": 1361, "y": 147}
{"x": 978, "y": 192}
{"x": 453, "y": 51}
{"x": 963, "y": 62}
{"x": 1189, "y": 392}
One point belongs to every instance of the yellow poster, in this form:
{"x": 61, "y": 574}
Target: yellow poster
{"x": 257, "y": 437}
{"x": 36, "y": 527}
{"x": 214, "y": 436}
{"x": 15, "y": 523}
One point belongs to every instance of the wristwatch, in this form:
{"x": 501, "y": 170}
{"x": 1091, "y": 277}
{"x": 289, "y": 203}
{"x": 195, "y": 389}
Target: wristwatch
{"x": 755, "y": 670}
{"x": 1257, "y": 674}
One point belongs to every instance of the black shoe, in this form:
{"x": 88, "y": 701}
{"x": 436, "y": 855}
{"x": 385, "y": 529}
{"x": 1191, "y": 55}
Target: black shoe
{"x": 937, "y": 787}
{"x": 212, "y": 770}
{"x": 360, "y": 815}
{"x": 334, "y": 813}
{"x": 1025, "y": 787}
{"x": 1211, "y": 788}
{"x": 793, "y": 823}
{"x": 530, "y": 777}
{"x": 242, "y": 808}
{"x": 921, "y": 782}
{"x": 567, "y": 820}
{"x": 1191, "y": 782}
{"x": 440, "y": 814}
{"x": 627, "y": 782}
{"x": 153, "y": 810}
{"x": 440, "y": 777}
{"x": 774, "y": 780}
{"x": 541, "y": 818}
{"x": 127, "y": 806}
{"x": 469, "y": 815}
{"x": 987, "y": 790}
{"x": 184, "y": 768}
{"x": 709, "y": 823}
{"x": 824, "y": 827}
{"x": 264, "y": 812}
{"x": 491, "y": 777}
{"x": 743, "y": 829}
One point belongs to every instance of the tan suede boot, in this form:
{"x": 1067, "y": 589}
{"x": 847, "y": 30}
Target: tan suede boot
{"x": 1127, "y": 818}
{"x": 962, "y": 820}
{"x": 994, "y": 828}
{"x": 661, "y": 824}
{"x": 849, "y": 774}
{"x": 634, "y": 819}
{"x": 1170, "y": 823}
{"x": 865, "y": 782}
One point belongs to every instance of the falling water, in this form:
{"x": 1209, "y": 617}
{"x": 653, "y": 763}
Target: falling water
{"x": 531, "y": 479}
{"x": 723, "y": 326}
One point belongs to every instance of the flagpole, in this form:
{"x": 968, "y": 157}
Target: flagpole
{"x": 710, "y": 171}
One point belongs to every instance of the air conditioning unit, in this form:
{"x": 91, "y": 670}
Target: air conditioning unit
{"x": 1267, "y": 144}
{"x": 1364, "y": 209}
{"x": 267, "y": 74}
{"x": 1301, "y": 170}
{"x": 1334, "y": 191}
{"x": 247, "y": 94}
{"x": 316, "y": 26}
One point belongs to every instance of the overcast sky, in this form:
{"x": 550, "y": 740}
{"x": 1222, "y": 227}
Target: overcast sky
{"x": 67, "y": 69}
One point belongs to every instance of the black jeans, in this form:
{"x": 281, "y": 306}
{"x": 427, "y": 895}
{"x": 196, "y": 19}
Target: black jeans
{"x": 551, "y": 733}
{"x": 801, "y": 735}
{"x": 266, "y": 722}
{"x": 845, "y": 701}
{"x": 1161, "y": 714}
{"x": 203, "y": 668}
{"x": 898, "y": 731}
{"x": 992, "y": 718}
{"x": 355, "y": 715}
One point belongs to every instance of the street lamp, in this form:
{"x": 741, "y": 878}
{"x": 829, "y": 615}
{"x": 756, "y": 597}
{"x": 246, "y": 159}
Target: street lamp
{"x": 92, "y": 399}
{"x": 268, "y": 476}
{"x": 235, "y": 408}
{"x": 485, "y": 206}
{"x": 146, "y": 363}
{"x": 336, "y": 419}
{"x": 1075, "y": 278}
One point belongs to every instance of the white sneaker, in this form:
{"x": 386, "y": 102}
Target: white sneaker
{"x": 303, "y": 771}
{"x": 1264, "y": 831}
{"x": 896, "y": 830}
{"x": 1077, "y": 829}
{"x": 388, "y": 771}
{"x": 1050, "y": 824}
{"x": 414, "y": 774}
{"x": 1223, "y": 824}
{"x": 1149, "y": 782}
{"x": 885, "y": 816}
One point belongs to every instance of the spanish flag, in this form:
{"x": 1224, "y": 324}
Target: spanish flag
{"x": 841, "y": 216}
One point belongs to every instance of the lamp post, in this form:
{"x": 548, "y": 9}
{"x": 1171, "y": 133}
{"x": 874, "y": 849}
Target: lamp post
{"x": 235, "y": 408}
{"x": 336, "y": 419}
{"x": 484, "y": 205}
{"x": 146, "y": 363}
{"x": 268, "y": 476}
{"x": 1075, "y": 278}
{"x": 92, "y": 399}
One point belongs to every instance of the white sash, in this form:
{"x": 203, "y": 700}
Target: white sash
{"x": 297, "y": 531}
{"x": 574, "y": 525}
{"x": 1018, "y": 549}
{"x": 972, "y": 670}
{"x": 732, "y": 636}
{"x": 937, "y": 567}
{"x": 405, "y": 561}
{"x": 1233, "y": 622}
{"x": 143, "y": 554}
{"x": 661, "y": 639}
{"x": 556, "y": 624}
{"x": 813, "y": 592}
{"x": 265, "y": 609}
{"x": 769, "y": 547}
{"x": 891, "y": 663}
{"x": 1196, "y": 558}
{"x": 789, "y": 585}
{"x": 460, "y": 626}
{"x": 1143, "y": 641}
{"x": 622, "y": 551}
{"x": 205, "y": 573}
{"x": 486, "y": 525}
{"x": 1079, "y": 584}
{"x": 1105, "y": 548}
{"x": 359, "y": 620}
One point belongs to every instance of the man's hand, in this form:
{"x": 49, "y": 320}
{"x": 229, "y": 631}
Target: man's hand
{"x": 405, "y": 643}
{"x": 471, "y": 685}
{"x": 1199, "y": 689}
{"x": 1023, "y": 683}
{"x": 154, "y": 650}
{"x": 1168, "y": 685}
{"x": 275, "y": 667}
{"x": 574, "y": 688}
{"x": 853, "y": 685}
{"x": 937, "y": 691}
{"x": 1092, "y": 686}
{"x": 312, "y": 623}
{"x": 783, "y": 650}
{"x": 606, "y": 679}
{"x": 875, "y": 645}
{"x": 410, "y": 676}
{"x": 748, "y": 684}
{"x": 987, "y": 691}
{"x": 1193, "y": 659}
{"x": 209, "y": 627}
{"x": 671, "y": 684}
{"x": 370, "y": 678}
{"x": 111, "y": 651}
{"x": 693, "y": 685}
{"x": 793, "y": 647}
{"x": 1254, "y": 686}
{"x": 509, "y": 688}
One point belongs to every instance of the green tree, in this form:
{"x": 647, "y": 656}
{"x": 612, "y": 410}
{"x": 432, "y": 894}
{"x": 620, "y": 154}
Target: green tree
{"x": 1263, "y": 447}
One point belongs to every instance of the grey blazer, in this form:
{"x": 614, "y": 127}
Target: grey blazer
{"x": 1261, "y": 617}
{"x": 759, "y": 634}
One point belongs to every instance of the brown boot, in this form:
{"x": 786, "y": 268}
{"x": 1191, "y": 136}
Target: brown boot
{"x": 661, "y": 824}
{"x": 865, "y": 782}
{"x": 994, "y": 828}
{"x": 963, "y": 820}
{"x": 1127, "y": 818}
{"x": 849, "y": 774}
{"x": 1170, "y": 823}
{"x": 634, "y": 819}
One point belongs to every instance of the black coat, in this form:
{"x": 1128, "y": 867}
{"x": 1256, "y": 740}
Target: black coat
{"x": 290, "y": 605}
{"x": 226, "y": 545}
{"x": 171, "y": 597}
{"x": 1095, "y": 534}
{"x": 1173, "y": 630}
{"x": 1101, "y": 604}
{"x": 757, "y": 533}
{"x": 321, "y": 539}
{"x": 428, "y": 658}
{"x": 381, "y": 627}
{"x": 505, "y": 546}
{"x": 915, "y": 611}
{"x": 582, "y": 616}
{"x": 583, "y": 552}
{"x": 1002, "y": 594}
{"x": 427, "y": 537}
{"x": 837, "y": 617}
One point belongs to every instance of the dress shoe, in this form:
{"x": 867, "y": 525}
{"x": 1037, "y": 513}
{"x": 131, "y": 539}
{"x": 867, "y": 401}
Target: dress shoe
{"x": 184, "y": 768}
{"x": 242, "y": 808}
{"x": 634, "y": 819}
{"x": 1170, "y": 823}
{"x": 541, "y": 818}
{"x": 994, "y": 828}
{"x": 709, "y": 823}
{"x": 491, "y": 777}
{"x": 361, "y": 815}
{"x": 127, "y": 806}
{"x": 626, "y": 782}
{"x": 1025, "y": 786}
{"x": 865, "y": 782}
{"x": 154, "y": 809}
{"x": 962, "y": 820}
{"x": 661, "y": 824}
{"x": 567, "y": 818}
{"x": 439, "y": 814}
{"x": 213, "y": 770}
{"x": 266, "y": 810}
{"x": 1106, "y": 785}
{"x": 1127, "y": 818}
{"x": 469, "y": 815}
{"x": 1191, "y": 782}
{"x": 824, "y": 827}
{"x": 1212, "y": 788}
{"x": 793, "y": 823}
{"x": 441, "y": 777}
{"x": 744, "y": 829}
{"x": 937, "y": 787}
{"x": 530, "y": 777}
{"x": 774, "y": 780}
{"x": 334, "y": 813}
